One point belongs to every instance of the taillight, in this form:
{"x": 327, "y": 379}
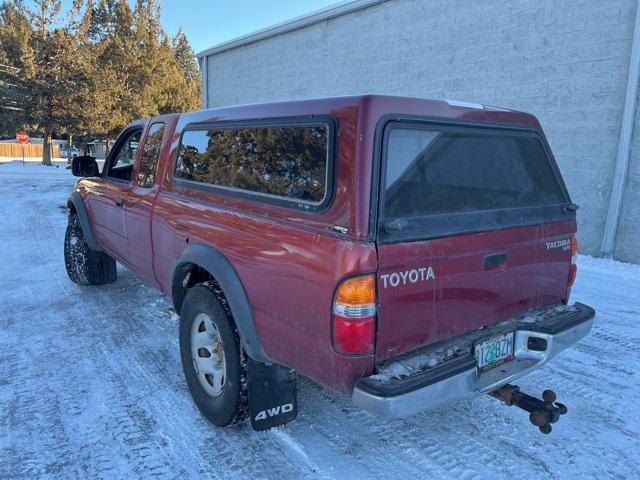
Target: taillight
{"x": 354, "y": 316}
{"x": 573, "y": 269}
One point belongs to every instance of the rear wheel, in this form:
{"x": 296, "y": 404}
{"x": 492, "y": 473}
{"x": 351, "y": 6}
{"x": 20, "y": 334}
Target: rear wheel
{"x": 85, "y": 266}
{"x": 212, "y": 359}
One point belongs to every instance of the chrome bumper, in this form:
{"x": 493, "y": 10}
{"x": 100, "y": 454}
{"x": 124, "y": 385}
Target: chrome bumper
{"x": 459, "y": 378}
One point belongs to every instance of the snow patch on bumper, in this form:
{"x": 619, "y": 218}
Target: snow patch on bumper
{"x": 431, "y": 378}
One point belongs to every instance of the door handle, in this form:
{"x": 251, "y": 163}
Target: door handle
{"x": 492, "y": 261}
{"x": 119, "y": 202}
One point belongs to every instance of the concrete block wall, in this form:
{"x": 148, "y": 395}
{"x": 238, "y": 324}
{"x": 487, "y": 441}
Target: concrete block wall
{"x": 566, "y": 62}
{"x": 627, "y": 246}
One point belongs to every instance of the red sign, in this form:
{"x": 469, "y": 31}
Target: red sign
{"x": 22, "y": 137}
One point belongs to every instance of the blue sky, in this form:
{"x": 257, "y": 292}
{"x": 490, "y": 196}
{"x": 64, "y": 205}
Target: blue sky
{"x": 209, "y": 22}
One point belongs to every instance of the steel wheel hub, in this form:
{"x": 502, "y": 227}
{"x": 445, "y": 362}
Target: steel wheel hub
{"x": 208, "y": 355}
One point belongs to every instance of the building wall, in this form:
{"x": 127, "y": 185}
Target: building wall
{"x": 628, "y": 237}
{"x": 566, "y": 62}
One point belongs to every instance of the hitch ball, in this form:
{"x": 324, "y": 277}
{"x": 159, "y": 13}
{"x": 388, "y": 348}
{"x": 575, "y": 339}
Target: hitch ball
{"x": 542, "y": 413}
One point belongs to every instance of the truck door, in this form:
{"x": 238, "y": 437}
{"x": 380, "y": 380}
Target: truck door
{"x": 139, "y": 204}
{"x": 108, "y": 197}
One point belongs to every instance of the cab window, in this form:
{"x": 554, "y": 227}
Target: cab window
{"x": 289, "y": 164}
{"x": 123, "y": 156}
{"x": 150, "y": 155}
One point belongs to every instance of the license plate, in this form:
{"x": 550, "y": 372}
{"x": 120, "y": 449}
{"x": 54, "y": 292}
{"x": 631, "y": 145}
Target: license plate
{"x": 494, "y": 352}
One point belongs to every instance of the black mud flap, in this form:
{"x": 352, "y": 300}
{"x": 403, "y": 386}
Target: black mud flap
{"x": 272, "y": 395}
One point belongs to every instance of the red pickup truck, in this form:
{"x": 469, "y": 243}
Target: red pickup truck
{"x": 408, "y": 252}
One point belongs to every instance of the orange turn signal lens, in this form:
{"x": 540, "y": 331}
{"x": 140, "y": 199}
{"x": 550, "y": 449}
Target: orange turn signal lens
{"x": 354, "y": 316}
{"x": 573, "y": 268}
{"x": 357, "y": 291}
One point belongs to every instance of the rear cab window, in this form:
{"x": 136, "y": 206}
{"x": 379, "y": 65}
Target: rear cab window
{"x": 150, "y": 155}
{"x": 445, "y": 180}
{"x": 288, "y": 164}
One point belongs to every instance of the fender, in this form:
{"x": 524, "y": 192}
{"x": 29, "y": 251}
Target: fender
{"x": 75, "y": 200}
{"x": 217, "y": 265}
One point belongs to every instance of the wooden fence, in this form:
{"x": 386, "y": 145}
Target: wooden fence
{"x": 16, "y": 150}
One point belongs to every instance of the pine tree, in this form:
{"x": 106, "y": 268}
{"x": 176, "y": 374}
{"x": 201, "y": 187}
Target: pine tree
{"x": 140, "y": 73}
{"x": 185, "y": 56}
{"x": 48, "y": 50}
{"x": 93, "y": 69}
{"x": 113, "y": 93}
{"x": 41, "y": 54}
{"x": 77, "y": 113}
{"x": 15, "y": 32}
{"x": 189, "y": 66}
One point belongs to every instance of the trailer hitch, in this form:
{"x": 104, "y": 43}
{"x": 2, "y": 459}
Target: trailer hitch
{"x": 542, "y": 413}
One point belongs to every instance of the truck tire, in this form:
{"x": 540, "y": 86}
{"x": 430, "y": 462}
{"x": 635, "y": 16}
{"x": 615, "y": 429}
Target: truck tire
{"x": 85, "y": 266}
{"x": 212, "y": 359}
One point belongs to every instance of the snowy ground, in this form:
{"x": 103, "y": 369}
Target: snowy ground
{"x": 91, "y": 384}
{"x": 31, "y": 160}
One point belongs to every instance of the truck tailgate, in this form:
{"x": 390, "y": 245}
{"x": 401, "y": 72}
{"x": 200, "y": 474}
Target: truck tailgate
{"x": 474, "y": 226}
{"x": 432, "y": 290}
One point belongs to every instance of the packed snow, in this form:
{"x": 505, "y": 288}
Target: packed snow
{"x": 91, "y": 384}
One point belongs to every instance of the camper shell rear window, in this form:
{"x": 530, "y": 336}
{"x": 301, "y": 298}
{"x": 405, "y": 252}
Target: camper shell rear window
{"x": 439, "y": 180}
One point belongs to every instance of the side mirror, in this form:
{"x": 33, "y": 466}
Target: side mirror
{"x": 85, "y": 166}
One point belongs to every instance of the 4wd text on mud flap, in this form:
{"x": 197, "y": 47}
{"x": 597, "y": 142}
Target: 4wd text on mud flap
{"x": 272, "y": 412}
{"x": 412, "y": 276}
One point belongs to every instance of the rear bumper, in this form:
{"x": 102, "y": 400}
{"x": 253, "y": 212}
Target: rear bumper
{"x": 457, "y": 377}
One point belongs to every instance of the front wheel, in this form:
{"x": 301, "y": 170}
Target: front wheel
{"x": 85, "y": 266}
{"x": 212, "y": 359}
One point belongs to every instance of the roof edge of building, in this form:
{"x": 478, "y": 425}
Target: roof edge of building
{"x": 297, "y": 23}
